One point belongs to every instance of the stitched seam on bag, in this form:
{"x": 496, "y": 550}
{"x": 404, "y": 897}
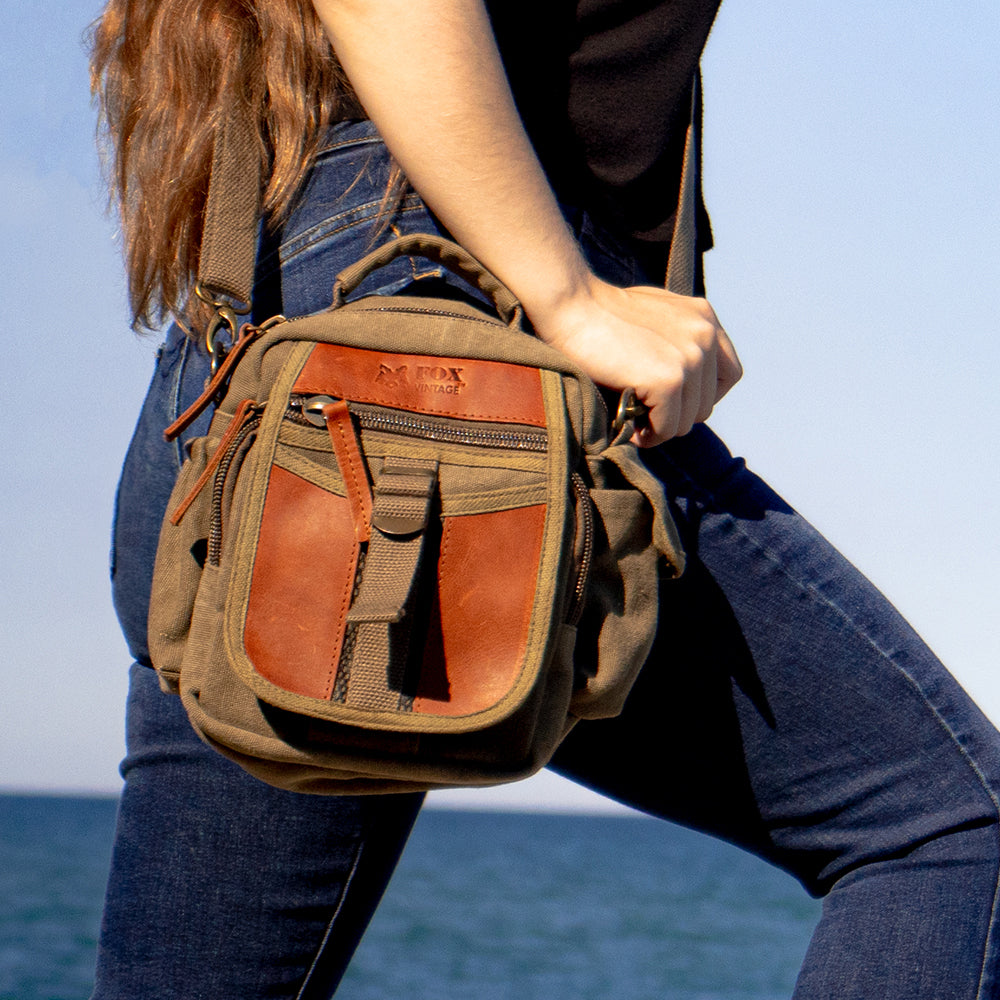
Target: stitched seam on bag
{"x": 342, "y": 665}
{"x": 445, "y": 541}
{"x": 337, "y": 654}
{"x": 360, "y": 530}
{"x": 359, "y": 484}
{"x": 176, "y": 400}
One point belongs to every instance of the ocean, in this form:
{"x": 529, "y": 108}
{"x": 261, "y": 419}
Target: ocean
{"x": 490, "y": 906}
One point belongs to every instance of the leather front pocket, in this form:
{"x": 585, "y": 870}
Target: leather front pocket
{"x": 461, "y": 643}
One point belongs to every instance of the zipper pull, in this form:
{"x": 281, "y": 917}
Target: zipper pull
{"x": 312, "y": 407}
{"x": 244, "y": 412}
{"x": 248, "y": 334}
{"x": 336, "y": 417}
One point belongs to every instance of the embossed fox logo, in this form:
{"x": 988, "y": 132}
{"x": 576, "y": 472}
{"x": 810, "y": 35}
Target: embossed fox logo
{"x": 391, "y": 378}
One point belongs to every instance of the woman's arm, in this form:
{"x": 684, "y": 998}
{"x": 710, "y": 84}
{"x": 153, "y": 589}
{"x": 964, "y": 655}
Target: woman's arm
{"x": 430, "y": 77}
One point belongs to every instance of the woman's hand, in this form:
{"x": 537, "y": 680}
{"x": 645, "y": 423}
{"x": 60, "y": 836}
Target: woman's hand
{"x": 670, "y": 348}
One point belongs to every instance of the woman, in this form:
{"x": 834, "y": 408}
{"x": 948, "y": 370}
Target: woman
{"x": 814, "y": 728}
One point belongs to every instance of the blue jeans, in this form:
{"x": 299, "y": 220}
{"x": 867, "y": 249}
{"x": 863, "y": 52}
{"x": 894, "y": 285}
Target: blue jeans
{"x": 786, "y": 707}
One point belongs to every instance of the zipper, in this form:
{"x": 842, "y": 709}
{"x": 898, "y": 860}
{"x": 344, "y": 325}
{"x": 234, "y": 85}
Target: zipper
{"x": 438, "y": 312}
{"x": 307, "y": 410}
{"x": 585, "y": 506}
{"x": 249, "y": 427}
{"x": 397, "y": 309}
{"x": 245, "y": 411}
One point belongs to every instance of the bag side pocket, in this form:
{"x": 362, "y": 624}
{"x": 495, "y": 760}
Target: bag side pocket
{"x": 633, "y": 534}
{"x": 180, "y": 561}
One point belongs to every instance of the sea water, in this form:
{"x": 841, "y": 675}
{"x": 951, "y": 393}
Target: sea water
{"x": 484, "y": 906}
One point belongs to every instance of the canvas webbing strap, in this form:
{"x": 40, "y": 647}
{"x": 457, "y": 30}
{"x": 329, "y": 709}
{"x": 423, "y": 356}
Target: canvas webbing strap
{"x": 401, "y": 506}
{"x": 229, "y": 236}
{"x": 232, "y": 211}
{"x": 684, "y": 240}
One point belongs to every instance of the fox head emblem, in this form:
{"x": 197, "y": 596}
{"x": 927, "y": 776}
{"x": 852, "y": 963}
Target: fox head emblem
{"x": 391, "y": 378}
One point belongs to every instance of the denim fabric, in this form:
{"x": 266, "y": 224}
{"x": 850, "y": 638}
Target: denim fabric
{"x": 786, "y": 707}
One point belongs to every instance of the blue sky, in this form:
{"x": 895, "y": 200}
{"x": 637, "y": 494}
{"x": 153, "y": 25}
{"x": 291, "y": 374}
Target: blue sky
{"x": 851, "y": 172}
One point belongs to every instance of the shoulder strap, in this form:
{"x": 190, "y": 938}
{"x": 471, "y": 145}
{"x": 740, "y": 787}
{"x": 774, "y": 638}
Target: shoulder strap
{"x": 232, "y": 211}
{"x": 684, "y": 240}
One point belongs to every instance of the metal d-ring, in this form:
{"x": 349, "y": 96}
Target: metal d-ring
{"x": 629, "y": 409}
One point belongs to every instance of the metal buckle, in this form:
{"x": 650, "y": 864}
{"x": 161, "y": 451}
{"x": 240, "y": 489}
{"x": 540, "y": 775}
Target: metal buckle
{"x": 226, "y": 312}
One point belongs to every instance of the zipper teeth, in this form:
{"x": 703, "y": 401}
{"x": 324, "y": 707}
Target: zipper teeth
{"x": 436, "y": 312}
{"x": 583, "y": 574}
{"x": 411, "y": 309}
{"x": 490, "y": 437}
{"x": 219, "y": 487}
{"x": 372, "y": 419}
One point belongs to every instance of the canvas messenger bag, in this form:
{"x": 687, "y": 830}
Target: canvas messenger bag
{"x": 411, "y": 550}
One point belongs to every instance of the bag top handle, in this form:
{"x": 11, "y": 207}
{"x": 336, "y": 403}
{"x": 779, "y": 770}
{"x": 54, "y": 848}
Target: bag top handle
{"x": 441, "y": 251}
{"x": 229, "y": 235}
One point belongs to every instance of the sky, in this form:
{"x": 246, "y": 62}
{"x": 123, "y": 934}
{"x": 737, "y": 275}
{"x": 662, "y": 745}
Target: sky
{"x": 851, "y": 155}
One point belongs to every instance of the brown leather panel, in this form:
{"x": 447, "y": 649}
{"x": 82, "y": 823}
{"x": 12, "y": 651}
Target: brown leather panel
{"x": 303, "y": 577}
{"x": 454, "y": 387}
{"x": 486, "y": 587}
{"x": 352, "y": 466}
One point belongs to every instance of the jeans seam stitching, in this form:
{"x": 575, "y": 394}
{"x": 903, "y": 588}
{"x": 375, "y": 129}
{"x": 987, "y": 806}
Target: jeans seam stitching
{"x": 779, "y": 565}
{"x": 348, "y": 219}
{"x": 362, "y": 140}
{"x": 859, "y": 630}
{"x": 330, "y": 226}
{"x": 317, "y": 233}
{"x": 333, "y": 920}
{"x": 990, "y": 945}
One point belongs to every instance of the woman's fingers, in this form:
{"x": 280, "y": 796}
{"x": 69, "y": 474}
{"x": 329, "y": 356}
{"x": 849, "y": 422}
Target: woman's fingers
{"x": 685, "y": 394}
{"x": 729, "y": 369}
{"x": 710, "y": 368}
{"x": 670, "y": 348}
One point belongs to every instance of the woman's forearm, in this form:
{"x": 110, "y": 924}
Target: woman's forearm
{"x": 429, "y": 75}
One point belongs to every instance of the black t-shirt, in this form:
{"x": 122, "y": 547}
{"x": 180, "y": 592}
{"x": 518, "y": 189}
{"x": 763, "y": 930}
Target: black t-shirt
{"x": 604, "y": 88}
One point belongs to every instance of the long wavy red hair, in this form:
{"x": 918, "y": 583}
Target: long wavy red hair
{"x": 165, "y": 72}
